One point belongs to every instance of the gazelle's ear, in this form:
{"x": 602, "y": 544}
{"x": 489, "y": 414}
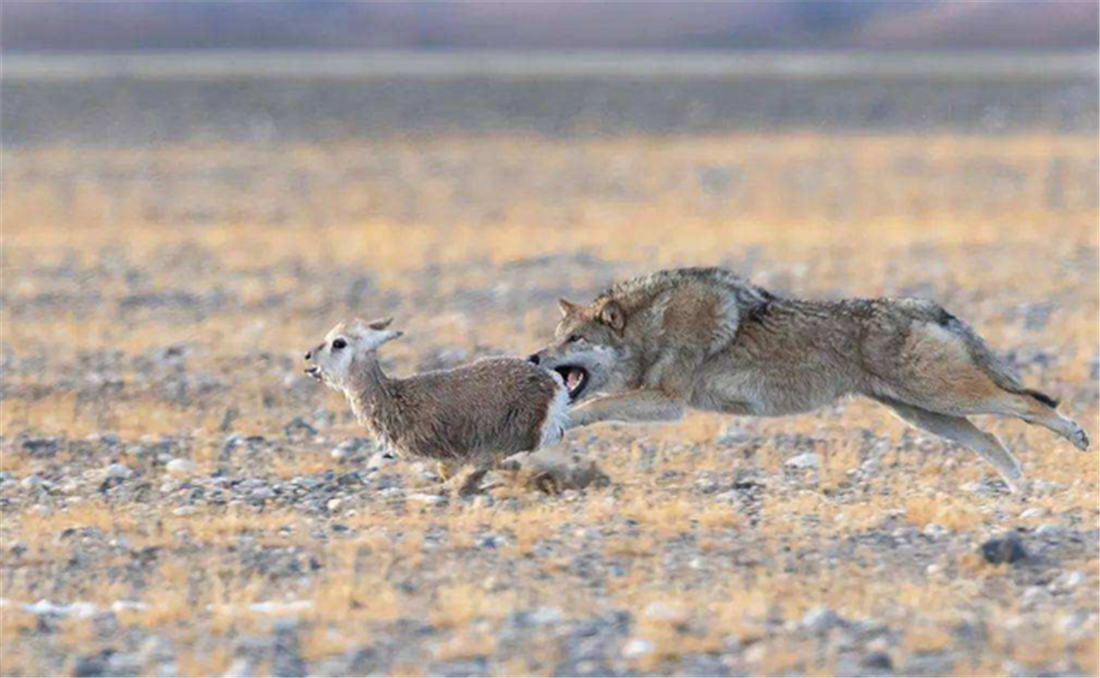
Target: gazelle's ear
{"x": 567, "y": 306}
{"x": 390, "y": 335}
{"x": 380, "y": 324}
{"x": 613, "y": 316}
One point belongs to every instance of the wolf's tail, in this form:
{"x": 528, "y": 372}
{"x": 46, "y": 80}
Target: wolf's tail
{"x": 1003, "y": 374}
{"x": 1041, "y": 397}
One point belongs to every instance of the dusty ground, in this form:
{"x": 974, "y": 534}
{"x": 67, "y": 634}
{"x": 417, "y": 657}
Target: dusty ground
{"x": 179, "y": 498}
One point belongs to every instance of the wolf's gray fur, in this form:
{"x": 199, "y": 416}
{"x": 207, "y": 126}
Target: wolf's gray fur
{"x": 704, "y": 338}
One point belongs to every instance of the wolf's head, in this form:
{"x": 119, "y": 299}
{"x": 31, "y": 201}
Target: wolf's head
{"x": 345, "y": 346}
{"x": 589, "y": 349}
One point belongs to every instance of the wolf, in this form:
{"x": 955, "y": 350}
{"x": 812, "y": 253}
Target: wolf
{"x": 651, "y": 347}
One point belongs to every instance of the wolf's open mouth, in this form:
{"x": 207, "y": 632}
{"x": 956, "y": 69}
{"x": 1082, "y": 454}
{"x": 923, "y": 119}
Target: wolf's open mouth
{"x": 314, "y": 372}
{"x": 576, "y": 379}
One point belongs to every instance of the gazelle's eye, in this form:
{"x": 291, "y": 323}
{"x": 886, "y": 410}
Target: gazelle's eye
{"x": 338, "y": 344}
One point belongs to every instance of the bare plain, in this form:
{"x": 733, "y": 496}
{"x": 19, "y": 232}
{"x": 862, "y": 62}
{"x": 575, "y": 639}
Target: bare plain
{"x": 179, "y": 498}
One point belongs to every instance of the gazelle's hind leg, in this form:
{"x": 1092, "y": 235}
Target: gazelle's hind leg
{"x": 1033, "y": 411}
{"x": 960, "y": 430}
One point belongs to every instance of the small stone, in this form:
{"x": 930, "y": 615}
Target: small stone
{"x": 31, "y": 482}
{"x": 298, "y": 429}
{"x": 1007, "y": 549}
{"x": 427, "y": 499}
{"x": 335, "y": 504}
{"x": 1069, "y": 581}
{"x": 1034, "y": 595}
{"x": 637, "y": 647}
{"x": 1033, "y": 513}
{"x": 871, "y": 466}
{"x": 185, "y": 511}
{"x": 877, "y": 661}
{"x": 180, "y": 468}
{"x": 732, "y": 435}
{"x": 545, "y": 616}
{"x": 381, "y": 460}
{"x": 42, "y": 447}
{"x": 118, "y": 472}
{"x": 1041, "y": 488}
{"x": 350, "y": 449}
{"x": 262, "y": 493}
{"x": 662, "y": 611}
{"x": 806, "y": 460}
{"x": 820, "y": 619}
{"x": 934, "y": 530}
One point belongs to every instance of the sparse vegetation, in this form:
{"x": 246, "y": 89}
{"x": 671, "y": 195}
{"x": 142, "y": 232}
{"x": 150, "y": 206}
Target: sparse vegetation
{"x": 156, "y": 303}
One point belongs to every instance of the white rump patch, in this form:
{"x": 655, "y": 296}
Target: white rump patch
{"x": 557, "y": 414}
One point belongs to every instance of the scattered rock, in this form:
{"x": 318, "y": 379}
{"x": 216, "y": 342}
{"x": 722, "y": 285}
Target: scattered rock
{"x": 380, "y": 460}
{"x": 351, "y": 449}
{"x": 427, "y": 499}
{"x": 118, "y": 472}
{"x": 637, "y": 647}
{"x": 877, "y": 661}
{"x": 298, "y": 428}
{"x": 820, "y": 620}
{"x": 545, "y": 616}
{"x": 806, "y": 460}
{"x": 32, "y": 483}
{"x": 42, "y": 447}
{"x": 1007, "y": 549}
{"x": 1034, "y": 512}
{"x": 180, "y": 468}
{"x": 731, "y": 436}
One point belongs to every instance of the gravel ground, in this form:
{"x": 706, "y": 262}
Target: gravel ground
{"x": 179, "y": 499}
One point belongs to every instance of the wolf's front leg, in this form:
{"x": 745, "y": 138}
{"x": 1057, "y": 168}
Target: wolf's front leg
{"x": 632, "y": 406}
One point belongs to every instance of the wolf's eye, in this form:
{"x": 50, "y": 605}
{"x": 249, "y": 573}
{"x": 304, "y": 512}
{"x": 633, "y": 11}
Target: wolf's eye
{"x": 574, "y": 338}
{"x": 338, "y": 344}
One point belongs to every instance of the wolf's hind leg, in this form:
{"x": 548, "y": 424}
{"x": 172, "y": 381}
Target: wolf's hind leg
{"x": 960, "y": 430}
{"x": 1034, "y": 411}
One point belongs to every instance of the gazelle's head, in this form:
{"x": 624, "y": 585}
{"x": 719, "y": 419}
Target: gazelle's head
{"x": 346, "y": 345}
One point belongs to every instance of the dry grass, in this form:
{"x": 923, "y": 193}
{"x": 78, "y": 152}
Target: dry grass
{"x": 456, "y": 258}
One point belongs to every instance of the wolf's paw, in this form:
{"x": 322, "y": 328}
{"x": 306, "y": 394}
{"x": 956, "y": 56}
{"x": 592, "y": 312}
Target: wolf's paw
{"x": 553, "y": 472}
{"x": 1080, "y": 439}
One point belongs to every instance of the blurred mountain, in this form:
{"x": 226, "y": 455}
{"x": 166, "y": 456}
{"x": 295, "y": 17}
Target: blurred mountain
{"x": 59, "y": 25}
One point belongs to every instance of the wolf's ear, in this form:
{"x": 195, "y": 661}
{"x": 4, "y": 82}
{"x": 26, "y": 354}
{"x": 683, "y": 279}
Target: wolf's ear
{"x": 612, "y": 315}
{"x": 567, "y": 306}
{"x": 380, "y": 324}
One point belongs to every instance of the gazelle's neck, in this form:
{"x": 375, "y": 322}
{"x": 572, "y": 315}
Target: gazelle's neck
{"x": 367, "y": 387}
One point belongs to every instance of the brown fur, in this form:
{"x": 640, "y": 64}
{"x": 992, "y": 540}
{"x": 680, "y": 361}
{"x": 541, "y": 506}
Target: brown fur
{"x": 477, "y": 413}
{"x": 709, "y": 340}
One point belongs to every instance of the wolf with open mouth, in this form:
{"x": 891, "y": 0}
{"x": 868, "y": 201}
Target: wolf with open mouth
{"x": 649, "y": 348}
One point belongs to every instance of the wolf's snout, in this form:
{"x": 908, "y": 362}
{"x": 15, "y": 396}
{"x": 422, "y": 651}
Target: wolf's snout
{"x": 309, "y": 355}
{"x": 534, "y": 358}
